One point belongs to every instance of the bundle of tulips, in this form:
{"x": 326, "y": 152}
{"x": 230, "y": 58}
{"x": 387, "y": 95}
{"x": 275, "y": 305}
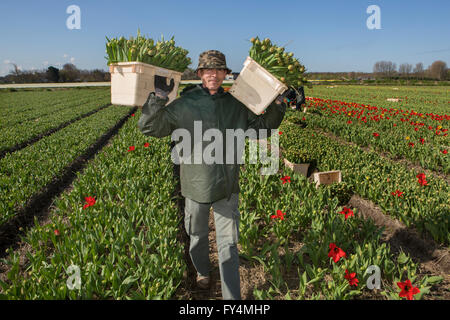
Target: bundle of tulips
{"x": 162, "y": 54}
{"x": 283, "y": 65}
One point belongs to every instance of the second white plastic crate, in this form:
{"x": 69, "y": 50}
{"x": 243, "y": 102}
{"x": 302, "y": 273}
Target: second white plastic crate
{"x": 255, "y": 87}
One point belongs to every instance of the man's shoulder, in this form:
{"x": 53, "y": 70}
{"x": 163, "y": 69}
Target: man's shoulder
{"x": 189, "y": 89}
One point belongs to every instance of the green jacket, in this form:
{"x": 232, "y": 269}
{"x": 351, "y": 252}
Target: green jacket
{"x": 206, "y": 183}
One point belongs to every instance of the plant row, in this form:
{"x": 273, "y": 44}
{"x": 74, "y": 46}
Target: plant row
{"x": 421, "y": 99}
{"x": 40, "y": 109}
{"x": 113, "y": 235}
{"x": 31, "y": 101}
{"x": 26, "y": 172}
{"x": 313, "y": 247}
{"x": 418, "y": 200}
{"x": 420, "y": 138}
{"x": 12, "y": 136}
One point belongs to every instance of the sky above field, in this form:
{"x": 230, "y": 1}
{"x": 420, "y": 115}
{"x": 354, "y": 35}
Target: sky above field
{"x": 325, "y": 36}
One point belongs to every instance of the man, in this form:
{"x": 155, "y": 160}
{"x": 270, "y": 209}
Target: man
{"x": 205, "y": 185}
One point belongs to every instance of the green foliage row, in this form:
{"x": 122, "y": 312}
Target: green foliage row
{"x": 26, "y": 172}
{"x": 28, "y": 125}
{"x": 125, "y": 245}
{"x": 297, "y": 246}
{"x": 424, "y": 207}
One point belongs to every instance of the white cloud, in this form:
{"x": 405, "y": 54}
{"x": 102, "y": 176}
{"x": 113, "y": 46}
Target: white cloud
{"x": 72, "y": 60}
{"x": 7, "y": 61}
{"x": 65, "y": 55}
{"x": 45, "y": 63}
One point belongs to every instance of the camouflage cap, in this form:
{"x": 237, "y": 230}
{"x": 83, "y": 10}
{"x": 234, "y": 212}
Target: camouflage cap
{"x": 212, "y": 59}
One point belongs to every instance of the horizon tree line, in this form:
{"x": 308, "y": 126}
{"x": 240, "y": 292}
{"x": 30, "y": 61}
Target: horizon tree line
{"x": 381, "y": 70}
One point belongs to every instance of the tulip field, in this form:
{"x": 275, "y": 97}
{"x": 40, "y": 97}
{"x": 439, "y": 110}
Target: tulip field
{"x": 114, "y": 230}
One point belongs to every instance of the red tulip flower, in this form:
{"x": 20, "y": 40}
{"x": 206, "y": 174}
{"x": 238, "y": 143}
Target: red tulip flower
{"x": 146, "y": 145}
{"x": 351, "y": 277}
{"x": 347, "y": 212}
{"x": 397, "y": 193}
{"x": 407, "y": 289}
{"x": 56, "y": 232}
{"x": 336, "y": 253}
{"x": 280, "y": 215}
{"x": 131, "y": 148}
{"x": 132, "y": 115}
{"x": 422, "y": 179}
{"x": 375, "y": 134}
{"x": 411, "y": 144}
{"x": 444, "y": 151}
{"x": 90, "y": 202}
{"x": 280, "y": 133}
{"x": 286, "y": 179}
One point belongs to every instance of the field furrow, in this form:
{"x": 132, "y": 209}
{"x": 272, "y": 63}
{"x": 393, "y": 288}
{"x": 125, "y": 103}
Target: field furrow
{"x": 124, "y": 245}
{"x": 27, "y": 171}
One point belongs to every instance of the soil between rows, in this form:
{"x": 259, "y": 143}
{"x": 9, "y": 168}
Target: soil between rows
{"x": 39, "y": 204}
{"x": 49, "y": 132}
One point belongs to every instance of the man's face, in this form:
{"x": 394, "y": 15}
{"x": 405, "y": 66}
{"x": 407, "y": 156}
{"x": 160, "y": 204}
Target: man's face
{"x": 212, "y": 78}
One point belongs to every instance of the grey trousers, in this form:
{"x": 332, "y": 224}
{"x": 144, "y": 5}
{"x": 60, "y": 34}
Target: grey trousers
{"x": 226, "y": 219}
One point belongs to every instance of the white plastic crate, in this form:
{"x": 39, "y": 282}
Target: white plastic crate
{"x": 255, "y": 87}
{"x": 131, "y": 82}
{"x": 301, "y": 168}
{"x": 327, "y": 177}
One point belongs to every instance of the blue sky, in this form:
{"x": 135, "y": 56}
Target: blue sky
{"x": 323, "y": 35}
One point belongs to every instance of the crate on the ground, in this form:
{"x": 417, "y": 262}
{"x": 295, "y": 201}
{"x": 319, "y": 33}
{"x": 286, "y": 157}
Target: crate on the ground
{"x": 301, "y": 168}
{"x": 327, "y": 177}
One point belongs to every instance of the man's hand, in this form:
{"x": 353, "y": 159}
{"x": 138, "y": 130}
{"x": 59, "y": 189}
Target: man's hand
{"x": 162, "y": 90}
{"x": 300, "y": 97}
{"x": 289, "y": 94}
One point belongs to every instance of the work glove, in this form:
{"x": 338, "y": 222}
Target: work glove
{"x": 289, "y": 94}
{"x": 162, "y": 90}
{"x": 300, "y": 97}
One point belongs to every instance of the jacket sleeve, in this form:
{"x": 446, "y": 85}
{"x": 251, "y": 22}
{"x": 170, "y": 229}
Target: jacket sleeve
{"x": 158, "y": 120}
{"x": 270, "y": 119}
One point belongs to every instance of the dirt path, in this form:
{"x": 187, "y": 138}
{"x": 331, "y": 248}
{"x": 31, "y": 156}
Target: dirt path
{"x": 251, "y": 274}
